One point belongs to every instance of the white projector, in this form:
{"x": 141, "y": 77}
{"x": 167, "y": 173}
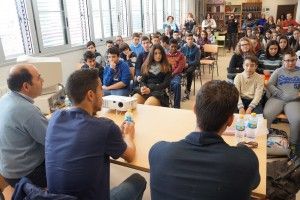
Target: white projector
{"x": 119, "y": 103}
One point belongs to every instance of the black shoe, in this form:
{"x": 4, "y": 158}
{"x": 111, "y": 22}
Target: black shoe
{"x": 187, "y": 92}
{"x": 186, "y": 97}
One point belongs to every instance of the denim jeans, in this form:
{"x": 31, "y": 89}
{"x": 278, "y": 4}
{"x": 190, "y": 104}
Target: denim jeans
{"x": 119, "y": 92}
{"x": 132, "y": 188}
{"x": 176, "y": 88}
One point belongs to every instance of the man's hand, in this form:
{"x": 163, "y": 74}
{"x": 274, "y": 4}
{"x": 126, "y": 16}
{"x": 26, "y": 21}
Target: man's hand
{"x": 242, "y": 111}
{"x": 112, "y": 65}
{"x": 128, "y": 129}
{"x": 104, "y": 87}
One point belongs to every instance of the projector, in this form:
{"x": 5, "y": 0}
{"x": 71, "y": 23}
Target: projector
{"x": 120, "y": 103}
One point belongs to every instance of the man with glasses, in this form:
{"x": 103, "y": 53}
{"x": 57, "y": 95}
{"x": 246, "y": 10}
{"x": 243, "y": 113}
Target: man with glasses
{"x": 284, "y": 86}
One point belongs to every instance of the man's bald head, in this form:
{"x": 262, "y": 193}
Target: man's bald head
{"x": 26, "y": 79}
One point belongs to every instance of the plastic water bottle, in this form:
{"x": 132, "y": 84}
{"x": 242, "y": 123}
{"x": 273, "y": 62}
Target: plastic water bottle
{"x": 240, "y": 129}
{"x": 251, "y": 127}
{"x": 68, "y": 103}
{"x": 128, "y": 117}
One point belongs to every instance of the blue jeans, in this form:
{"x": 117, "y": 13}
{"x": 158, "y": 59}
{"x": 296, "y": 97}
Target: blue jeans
{"x": 176, "y": 88}
{"x": 119, "y": 92}
{"x": 132, "y": 188}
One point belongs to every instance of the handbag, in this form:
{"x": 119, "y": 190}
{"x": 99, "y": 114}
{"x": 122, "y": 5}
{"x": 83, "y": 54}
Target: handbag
{"x": 277, "y": 143}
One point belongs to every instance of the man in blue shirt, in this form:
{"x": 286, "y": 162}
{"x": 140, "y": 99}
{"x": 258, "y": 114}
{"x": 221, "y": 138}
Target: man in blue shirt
{"x": 78, "y": 145}
{"x": 22, "y": 128}
{"x": 136, "y": 46}
{"x": 116, "y": 77}
{"x": 203, "y": 166}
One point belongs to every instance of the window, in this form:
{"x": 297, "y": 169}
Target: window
{"x": 159, "y": 14}
{"x": 177, "y": 11}
{"x": 114, "y": 11}
{"x": 96, "y": 17}
{"x": 10, "y": 30}
{"x": 51, "y": 22}
{"x": 77, "y": 22}
{"x": 136, "y": 16}
{"x": 148, "y": 16}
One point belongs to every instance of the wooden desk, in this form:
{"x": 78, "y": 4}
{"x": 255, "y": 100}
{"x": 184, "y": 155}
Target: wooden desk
{"x": 153, "y": 124}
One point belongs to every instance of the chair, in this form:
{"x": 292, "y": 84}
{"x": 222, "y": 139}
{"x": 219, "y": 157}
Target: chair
{"x": 221, "y": 43}
{"x": 212, "y": 49}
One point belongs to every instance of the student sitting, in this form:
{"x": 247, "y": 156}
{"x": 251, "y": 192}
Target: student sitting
{"x": 203, "y": 40}
{"x": 136, "y": 46}
{"x": 177, "y": 61}
{"x": 108, "y": 44}
{"x": 243, "y": 48}
{"x": 128, "y": 56}
{"x": 250, "y": 86}
{"x": 283, "y": 44}
{"x": 156, "y": 76}
{"x": 116, "y": 77}
{"x": 284, "y": 86}
{"x": 164, "y": 42}
{"x": 192, "y": 54}
{"x": 90, "y": 62}
{"x": 271, "y": 60}
{"x": 91, "y": 46}
{"x": 142, "y": 57}
{"x": 202, "y": 165}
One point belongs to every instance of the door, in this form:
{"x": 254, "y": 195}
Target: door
{"x": 282, "y": 10}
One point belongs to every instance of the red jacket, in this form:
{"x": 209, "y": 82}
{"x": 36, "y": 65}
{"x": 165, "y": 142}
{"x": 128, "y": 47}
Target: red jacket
{"x": 177, "y": 60}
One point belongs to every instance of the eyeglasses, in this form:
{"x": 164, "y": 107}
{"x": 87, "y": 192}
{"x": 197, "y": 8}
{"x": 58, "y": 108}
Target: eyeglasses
{"x": 290, "y": 61}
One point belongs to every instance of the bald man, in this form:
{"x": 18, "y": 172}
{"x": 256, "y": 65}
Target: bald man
{"x": 22, "y": 128}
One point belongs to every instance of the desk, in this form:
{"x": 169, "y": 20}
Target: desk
{"x": 154, "y": 124}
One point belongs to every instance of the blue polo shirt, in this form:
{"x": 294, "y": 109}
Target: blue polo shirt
{"x": 202, "y": 166}
{"x": 120, "y": 73}
{"x": 77, "y": 149}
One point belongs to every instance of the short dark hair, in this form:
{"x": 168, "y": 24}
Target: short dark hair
{"x": 135, "y": 35}
{"x": 215, "y": 103}
{"x": 164, "y": 39}
{"x": 16, "y": 80}
{"x": 144, "y": 38}
{"x": 113, "y": 50}
{"x": 269, "y": 44}
{"x": 173, "y": 41}
{"x": 189, "y": 35}
{"x": 89, "y": 43}
{"x": 290, "y": 51}
{"x": 88, "y": 55}
{"x": 80, "y": 82}
{"x": 109, "y": 42}
{"x": 252, "y": 58}
{"x": 123, "y": 47}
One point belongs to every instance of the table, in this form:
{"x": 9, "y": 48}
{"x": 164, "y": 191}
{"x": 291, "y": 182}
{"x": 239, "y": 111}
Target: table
{"x": 153, "y": 124}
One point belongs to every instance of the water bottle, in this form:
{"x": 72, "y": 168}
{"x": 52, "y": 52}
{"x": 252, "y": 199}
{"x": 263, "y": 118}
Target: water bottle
{"x": 68, "y": 103}
{"x": 128, "y": 117}
{"x": 240, "y": 129}
{"x": 251, "y": 127}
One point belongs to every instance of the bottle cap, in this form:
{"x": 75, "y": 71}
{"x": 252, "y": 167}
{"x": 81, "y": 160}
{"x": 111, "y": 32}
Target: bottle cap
{"x": 241, "y": 116}
{"x": 253, "y": 114}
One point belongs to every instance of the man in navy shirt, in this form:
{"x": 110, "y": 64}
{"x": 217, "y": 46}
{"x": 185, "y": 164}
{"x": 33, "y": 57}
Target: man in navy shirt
{"x": 116, "y": 77}
{"x": 78, "y": 145}
{"x": 203, "y": 166}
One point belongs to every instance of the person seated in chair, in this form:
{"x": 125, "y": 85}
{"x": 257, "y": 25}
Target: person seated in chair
{"x": 177, "y": 61}
{"x": 116, "y": 77}
{"x": 90, "y": 62}
{"x": 284, "y": 87}
{"x": 192, "y": 54}
{"x": 250, "y": 86}
{"x": 156, "y": 77}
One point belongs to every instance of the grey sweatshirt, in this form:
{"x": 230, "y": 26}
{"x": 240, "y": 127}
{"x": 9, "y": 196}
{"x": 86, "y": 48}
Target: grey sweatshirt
{"x": 285, "y": 84}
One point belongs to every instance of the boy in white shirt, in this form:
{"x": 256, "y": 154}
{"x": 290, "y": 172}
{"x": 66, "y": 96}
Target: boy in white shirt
{"x": 250, "y": 86}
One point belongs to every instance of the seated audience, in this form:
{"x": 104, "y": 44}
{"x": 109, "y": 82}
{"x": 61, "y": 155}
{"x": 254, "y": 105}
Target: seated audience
{"x": 249, "y": 22}
{"x": 156, "y": 77}
{"x": 208, "y": 22}
{"x": 90, "y": 62}
{"x": 91, "y": 46}
{"x": 136, "y": 46}
{"x": 189, "y": 23}
{"x": 289, "y": 21}
{"x": 119, "y": 40}
{"x": 108, "y": 44}
{"x": 155, "y": 39}
{"x": 170, "y": 23}
{"x": 294, "y": 40}
{"x": 79, "y": 146}
{"x": 203, "y": 40}
{"x": 178, "y": 38}
{"x": 267, "y": 38}
{"x": 203, "y": 165}
{"x": 192, "y": 54}
{"x": 177, "y": 61}
{"x": 271, "y": 60}
{"x": 243, "y": 48}
{"x": 284, "y": 86}
{"x": 269, "y": 24}
{"x": 210, "y": 36}
{"x": 116, "y": 77}
{"x": 164, "y": 42}
{"x": 250, "y": 86}
{"x": 257, "y": 49}
{"x": 22, "y": 128}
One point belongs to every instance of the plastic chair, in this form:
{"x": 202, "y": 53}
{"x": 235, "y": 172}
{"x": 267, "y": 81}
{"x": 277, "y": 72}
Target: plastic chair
{"x": 221, "y": 43}
{"x": 212, "y": 60}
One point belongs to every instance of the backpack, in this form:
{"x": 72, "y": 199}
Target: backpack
{"x": 277, "y": 143}
{"x": 283, "y": 179}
